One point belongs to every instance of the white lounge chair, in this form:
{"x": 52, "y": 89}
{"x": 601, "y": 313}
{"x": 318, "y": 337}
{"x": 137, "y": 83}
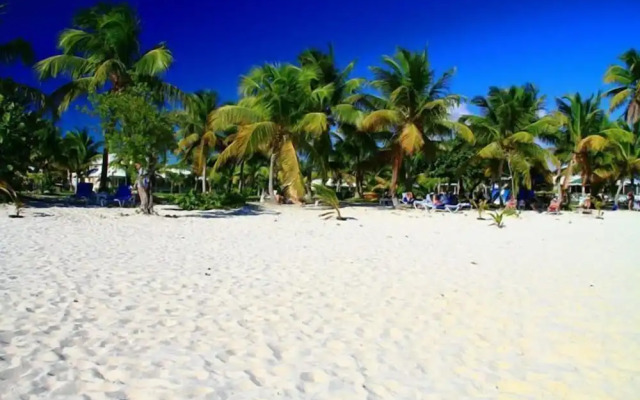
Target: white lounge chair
{"x": 425, "y": 204}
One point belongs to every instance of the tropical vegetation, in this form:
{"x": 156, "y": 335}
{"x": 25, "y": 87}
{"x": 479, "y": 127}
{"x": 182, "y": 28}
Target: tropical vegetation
{"x": 299, "y": 129}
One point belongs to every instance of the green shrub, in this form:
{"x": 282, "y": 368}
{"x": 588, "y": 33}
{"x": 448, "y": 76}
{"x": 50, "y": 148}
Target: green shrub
{"x": 209, "y": 201}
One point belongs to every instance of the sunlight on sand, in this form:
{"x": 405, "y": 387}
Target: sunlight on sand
{"x": 282, "y": 304}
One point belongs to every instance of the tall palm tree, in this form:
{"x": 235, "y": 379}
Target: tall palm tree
{"x": 508, "y": 131}
{"x": 624, "y": 156}
{"x": 79, "y": 150}
{"x": 103, "y": 48}
{"x": 198, "y": 139}
{"x": 277, "y": 112}
{"x": 414, "y": 107}
{"x": 627, "y": 92}
{"x": 16, "y": 49}
{"x": 585, "y": 129}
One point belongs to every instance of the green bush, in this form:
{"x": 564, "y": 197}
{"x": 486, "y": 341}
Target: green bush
{"x": 209, "y": 201}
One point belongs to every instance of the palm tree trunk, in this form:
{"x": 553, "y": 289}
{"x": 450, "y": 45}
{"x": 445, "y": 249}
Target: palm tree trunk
{"x": 272, "y": 162}
{"x": 513, "y": 180}
{"x": 615, "y": 198}
{"x": 359, "y": 193}
{"x": 204, "y": 177}
{"x": 395, "y": 170}
{"x": 567, "y": 179}
{"x": 241, "y": 183}
{"x": 104, "y": 174}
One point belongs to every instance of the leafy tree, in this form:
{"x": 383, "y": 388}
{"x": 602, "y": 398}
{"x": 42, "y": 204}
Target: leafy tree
{"x": 144, "y": 132}
{"x": 20, "y": 133}
{"x": 414, "y": 107}
{"x": 509, "y": 129}
{"x": 103, "y": 49}
{"x": 627, "y": 80}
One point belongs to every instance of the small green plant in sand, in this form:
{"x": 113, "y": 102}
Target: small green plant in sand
{"x": 328, "y": 196}
{"x": 6, "y": 188}
{"x": 481, "y": 206}
{"x": 599, "y": 213}
{"x": 498, "y": 216}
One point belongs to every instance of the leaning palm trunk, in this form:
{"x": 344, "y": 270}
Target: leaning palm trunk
{"x": 567, "y": 178}
{"x": 395, "y": 171}
{"x": 618, "y": 191}
{"x": 272, "y": 162}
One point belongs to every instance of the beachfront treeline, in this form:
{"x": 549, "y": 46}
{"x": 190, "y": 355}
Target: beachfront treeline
{"x": 299, "y": 123}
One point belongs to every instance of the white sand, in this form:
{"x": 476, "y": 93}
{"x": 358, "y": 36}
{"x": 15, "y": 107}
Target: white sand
{"x": 393, "y": 305}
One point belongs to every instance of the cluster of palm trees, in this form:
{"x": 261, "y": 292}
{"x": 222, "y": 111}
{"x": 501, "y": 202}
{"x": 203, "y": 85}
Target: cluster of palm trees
{"x": 298, "y": 122}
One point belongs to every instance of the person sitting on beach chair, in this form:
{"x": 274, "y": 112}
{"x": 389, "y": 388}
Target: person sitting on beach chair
{"x": 511, "y": 204}
{"x": 554, "y": 206}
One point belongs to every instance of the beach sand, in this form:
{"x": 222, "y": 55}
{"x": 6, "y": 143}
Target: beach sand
{"x": 266, "y": 304}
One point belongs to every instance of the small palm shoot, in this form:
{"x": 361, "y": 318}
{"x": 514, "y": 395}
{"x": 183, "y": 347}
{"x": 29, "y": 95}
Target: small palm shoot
{"x": 498, "y": 216}
{"x": 6, "y": 188}
{"x": 328, "y": 196}
{"x": 599, "y": 214}
{"x": 481, "y": 206}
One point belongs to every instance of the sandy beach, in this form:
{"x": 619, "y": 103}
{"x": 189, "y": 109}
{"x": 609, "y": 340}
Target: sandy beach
{"x": 101, "y": 303}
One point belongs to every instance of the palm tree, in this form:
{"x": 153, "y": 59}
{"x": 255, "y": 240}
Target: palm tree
{"x": 627, "y": 91}
{"x": 274, "y": 117}
{"x": 79, "y": 150}
{"x": 414, "y": 107}
{"x": 624, "y": 160}
{"x": 584, "y": 130}
{"x": 16, "y": 49}
{"x": 508, "y": 129}
{"x": 318, "y": 150}
{"x": 198, "y": 139}
{"x": 103, "y": 48}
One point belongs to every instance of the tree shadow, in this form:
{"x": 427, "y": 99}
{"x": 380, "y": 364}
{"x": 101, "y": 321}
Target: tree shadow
{"x": 248, "y": 210}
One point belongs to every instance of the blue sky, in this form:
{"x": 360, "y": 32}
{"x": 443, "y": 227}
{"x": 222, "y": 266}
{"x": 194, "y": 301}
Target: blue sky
{"x": 561, "y": 46}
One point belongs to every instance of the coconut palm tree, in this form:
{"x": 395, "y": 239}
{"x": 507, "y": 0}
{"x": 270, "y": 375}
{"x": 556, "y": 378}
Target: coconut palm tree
{"x": 277, "y": 113}
{"x": 508, "y": 129}
{"x": 414, "y": 107}
{"x": 79, "y": 151}
{"x": 16, "y": 49}
{"x": 585, "y": 129}
{"x": 102, "y": 49}
{"x": 627, "y": 80}
{"x": 198, "y": 139}
{"x": 624, "y": 156}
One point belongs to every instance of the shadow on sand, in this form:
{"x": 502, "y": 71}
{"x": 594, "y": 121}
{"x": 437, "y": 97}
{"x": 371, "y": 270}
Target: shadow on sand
{"x": 246, "y": 211}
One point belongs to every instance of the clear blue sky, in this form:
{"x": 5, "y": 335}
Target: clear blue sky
{"x": 561, "y": 46}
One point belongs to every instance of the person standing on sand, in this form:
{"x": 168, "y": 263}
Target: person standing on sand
{"x": 141, "y": 184}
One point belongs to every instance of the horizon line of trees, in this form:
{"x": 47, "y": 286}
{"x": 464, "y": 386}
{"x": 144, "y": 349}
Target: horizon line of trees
{"x": 298, "y": 122}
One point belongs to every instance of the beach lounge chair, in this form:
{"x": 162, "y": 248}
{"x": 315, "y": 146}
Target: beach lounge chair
{"x": 425, "y": 204}
{"x": 84, "y": 192}
{"x": 554, "y": 207}
{"x": 584, "y": 205}
{"x": 123, "y": 196}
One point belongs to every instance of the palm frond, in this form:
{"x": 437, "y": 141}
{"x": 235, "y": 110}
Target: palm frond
{"x": 51, "y": 67}
{"x": 410, "y": 139}
{"x": 315, "y": 123}
{"x": 154, "y": 62}
{"x": 17, "y": 49}
{"x": 380, "y": 120}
